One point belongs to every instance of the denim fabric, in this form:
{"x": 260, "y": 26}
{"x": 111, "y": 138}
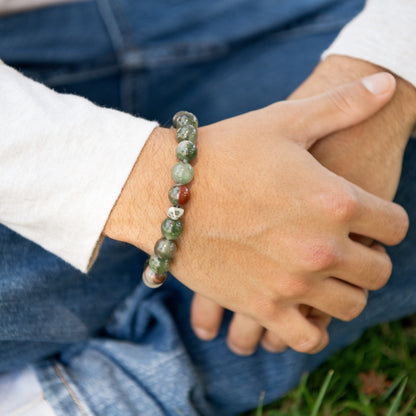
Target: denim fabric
{"x": 104, "y": 344}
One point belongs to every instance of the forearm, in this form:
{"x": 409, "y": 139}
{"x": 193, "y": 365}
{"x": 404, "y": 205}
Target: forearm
{"x": 142, "y": 204}
{"x": 63, "y": 164}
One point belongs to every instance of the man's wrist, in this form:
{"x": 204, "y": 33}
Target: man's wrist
{"x": 337, "y": 69}
{"x": 141, "y": 206}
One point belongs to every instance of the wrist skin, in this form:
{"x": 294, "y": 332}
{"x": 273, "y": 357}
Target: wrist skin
{"x": 399, "y": 114}
{"x": 141, "y": 207}
{"x": 369, "y": 154}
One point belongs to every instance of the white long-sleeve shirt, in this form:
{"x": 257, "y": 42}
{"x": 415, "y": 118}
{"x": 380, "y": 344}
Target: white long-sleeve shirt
{"x": 64, "y": 160}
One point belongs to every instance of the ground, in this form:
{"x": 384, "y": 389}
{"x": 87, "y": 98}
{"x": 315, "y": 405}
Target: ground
{"x": 375, "y": 376}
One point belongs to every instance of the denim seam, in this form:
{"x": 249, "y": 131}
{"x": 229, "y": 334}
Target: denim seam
{"x": 127, "y": 51}
{"x": 70, "y": 390}
{"x": 111, "y": 24}
{"x": 81, "y": 76}
{"x": 118, "y": 29}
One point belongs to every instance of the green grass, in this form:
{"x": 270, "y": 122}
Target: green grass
{"x": 375, "y": 376}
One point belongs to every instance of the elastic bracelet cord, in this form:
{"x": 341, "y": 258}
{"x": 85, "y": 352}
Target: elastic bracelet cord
{"x": 157, "y": 266}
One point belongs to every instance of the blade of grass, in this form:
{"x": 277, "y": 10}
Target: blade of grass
{"x": 366, "y": 404}
{"x": 260, "y": 406}
{"x": 397, "y": 399}
{"x": 300, "y": 393}
{"x": 409, "y": 405}
{"x": 322, "y": 393}
{"x": 393, "y": 386}
{"x": 351, "y": 405}
{"x": 307, "y": 396}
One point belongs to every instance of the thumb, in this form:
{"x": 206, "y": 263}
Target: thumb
{"x": 339, "y": 108}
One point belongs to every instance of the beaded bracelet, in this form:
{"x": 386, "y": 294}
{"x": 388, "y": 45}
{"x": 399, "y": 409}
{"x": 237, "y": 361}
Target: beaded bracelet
{"x": 157, "y": 266}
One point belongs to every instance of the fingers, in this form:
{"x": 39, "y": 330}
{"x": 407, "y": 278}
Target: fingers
{"x": 379, "y": 219}
{"x": 322, "y": 321}
{"x": 366, "y": 267}
{"x": 304, "y": 334}
{"x": 273, "y": 342}
{"x": 298, "y": 332}
{"x": 318, "y": 316}
{"x": 341, "y": 107}
{"x": 206, "y": 317}
{"x": 339, "y": 299}
{"x": 244, "y": 335}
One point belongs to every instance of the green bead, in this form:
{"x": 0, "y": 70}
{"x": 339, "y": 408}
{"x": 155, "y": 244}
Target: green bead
{"x": 187, "y": 133}
{"x": 186, "y": 151}
{"x": 159, "y": 265}
{"x": 184, "y": 118}
{"x": 165, "y": 249}
{"x": 152, "y": 279}
{"x": 172, "y": 229}
{"x": 182, "y": 173}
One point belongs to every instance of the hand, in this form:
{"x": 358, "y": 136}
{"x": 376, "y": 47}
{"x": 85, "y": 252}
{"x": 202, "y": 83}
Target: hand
{"x": 266, "y": 230}
{"x": 368, "y": 154}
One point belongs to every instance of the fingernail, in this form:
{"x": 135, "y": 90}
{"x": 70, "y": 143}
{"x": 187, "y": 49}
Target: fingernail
{"x": 379, "y": 83}
{"x": 204, "y": 334}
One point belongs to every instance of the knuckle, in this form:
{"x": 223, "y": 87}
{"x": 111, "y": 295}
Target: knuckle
{"x": 343, "y": 101}
{"x": 340, "y": 205}
{"x": 322, "y": 344}
{"x": 375, "y": 274}
{"x": 321, "y": 256}
{"x": 308, "y": 344}
{"x": 354, "y": 310}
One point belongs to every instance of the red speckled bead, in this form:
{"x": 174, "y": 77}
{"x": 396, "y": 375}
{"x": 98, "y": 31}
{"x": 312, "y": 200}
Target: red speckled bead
{"x": 179, "y": 194}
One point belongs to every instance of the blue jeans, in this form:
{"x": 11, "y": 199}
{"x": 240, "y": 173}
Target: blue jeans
{"x": 104, "y": 344}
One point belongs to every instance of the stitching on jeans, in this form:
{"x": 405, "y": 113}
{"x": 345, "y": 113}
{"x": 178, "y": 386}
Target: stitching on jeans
{"x": 118, "y": 29}
{"x": 71, "y": 392}
{"x": 80, "y": 76}
{"x": 111, "y": 25}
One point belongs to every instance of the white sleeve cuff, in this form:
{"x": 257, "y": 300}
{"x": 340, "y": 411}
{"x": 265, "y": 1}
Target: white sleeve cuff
{"x": 63, "y": 163}
{"x": 384, "y": 33}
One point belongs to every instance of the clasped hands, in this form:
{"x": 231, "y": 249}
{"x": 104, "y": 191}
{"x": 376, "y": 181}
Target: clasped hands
{"x": 270, "y": 233}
